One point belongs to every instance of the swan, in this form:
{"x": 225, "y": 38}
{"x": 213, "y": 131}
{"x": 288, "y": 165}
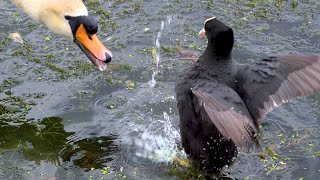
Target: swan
{"x": 69, "y": 18}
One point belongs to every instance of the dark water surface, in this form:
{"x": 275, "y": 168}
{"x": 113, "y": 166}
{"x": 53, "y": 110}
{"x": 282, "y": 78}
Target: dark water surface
{"x": 62, "y": 119}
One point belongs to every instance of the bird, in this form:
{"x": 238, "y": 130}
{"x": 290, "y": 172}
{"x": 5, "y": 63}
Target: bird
{"x": 70, "y": 18}
{"x": 221, "y": 103}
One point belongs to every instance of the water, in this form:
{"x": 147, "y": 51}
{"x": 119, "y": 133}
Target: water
{"x": 62, "y": 119}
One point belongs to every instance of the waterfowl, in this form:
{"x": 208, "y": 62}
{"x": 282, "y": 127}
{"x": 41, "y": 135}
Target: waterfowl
{"x": 221, "y": 103}
{"x": 69, "y": 18}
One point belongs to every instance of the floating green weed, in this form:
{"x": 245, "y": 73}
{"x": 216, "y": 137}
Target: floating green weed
{"x": 209, "y": 4}
{"x": 105, "y": 20}
{"x": 54, "y": 67}
{"x": 134, "y": 7}
{"x": 119, "y": 67}
{"x": 169, "y": 50}
{"x": 294, "y": 3}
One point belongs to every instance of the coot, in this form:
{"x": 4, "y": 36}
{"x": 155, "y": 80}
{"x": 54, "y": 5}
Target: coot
{"x": 221, "y": 102}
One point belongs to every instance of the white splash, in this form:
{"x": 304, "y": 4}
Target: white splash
{"x": 153, "y": 82}
{"x": 156, "y": 147}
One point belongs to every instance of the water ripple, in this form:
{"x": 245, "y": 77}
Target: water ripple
{"x": 66, "y": 107}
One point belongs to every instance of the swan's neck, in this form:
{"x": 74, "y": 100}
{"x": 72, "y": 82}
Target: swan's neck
{"x": 30, "y": 7}
{"x": 52, "y": 13}
{"x": 36, "y": 9}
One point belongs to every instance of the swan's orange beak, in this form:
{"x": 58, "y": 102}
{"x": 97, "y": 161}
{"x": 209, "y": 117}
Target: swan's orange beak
{"x": 93, "y": 48}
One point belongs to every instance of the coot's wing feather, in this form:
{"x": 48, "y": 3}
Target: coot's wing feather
{"x": 223, "y": 107}
{"x": 276, "y": 80}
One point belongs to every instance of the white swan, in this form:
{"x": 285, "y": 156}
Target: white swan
{"x": 69, "y": 18}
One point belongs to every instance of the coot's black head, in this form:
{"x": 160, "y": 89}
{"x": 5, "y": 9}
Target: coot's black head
{"x": 220, "y": 37}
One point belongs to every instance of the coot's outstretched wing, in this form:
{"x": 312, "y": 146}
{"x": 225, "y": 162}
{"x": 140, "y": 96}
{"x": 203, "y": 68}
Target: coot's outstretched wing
{"x": 222, "y": 106}
{"x": 276, "y": 80}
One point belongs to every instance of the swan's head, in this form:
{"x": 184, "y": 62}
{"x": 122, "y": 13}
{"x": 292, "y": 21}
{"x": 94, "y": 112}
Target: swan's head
{"x": 70, "y": 18}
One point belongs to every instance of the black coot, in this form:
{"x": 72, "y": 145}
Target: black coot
{"x": 221, "y": 102}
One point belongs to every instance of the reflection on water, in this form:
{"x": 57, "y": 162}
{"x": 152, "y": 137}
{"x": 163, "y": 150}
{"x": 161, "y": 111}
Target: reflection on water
{"x": 59, "y": 118}
{"x": 90, "y": 153}
{"x": 48, "y": 141}
{"x": 37, "y": 142}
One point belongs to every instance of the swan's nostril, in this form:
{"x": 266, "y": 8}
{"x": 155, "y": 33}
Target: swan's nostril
{"x": 108, "y": 58}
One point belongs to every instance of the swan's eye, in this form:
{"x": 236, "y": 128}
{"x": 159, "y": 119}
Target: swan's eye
{"x": 67, "y": 17}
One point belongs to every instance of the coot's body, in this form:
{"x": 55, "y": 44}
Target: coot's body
{"x": 200, "y": 138}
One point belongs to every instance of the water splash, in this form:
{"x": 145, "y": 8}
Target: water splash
{"x": 156, "y": 54}
{"x": 158, "y": 146}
